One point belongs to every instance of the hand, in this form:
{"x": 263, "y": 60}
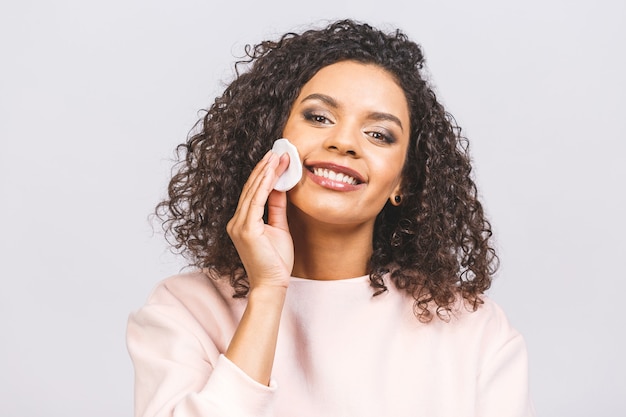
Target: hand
{"x": 266, "y": 250}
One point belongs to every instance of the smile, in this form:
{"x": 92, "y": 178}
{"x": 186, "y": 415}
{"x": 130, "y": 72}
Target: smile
{"x": 334, "y": 176}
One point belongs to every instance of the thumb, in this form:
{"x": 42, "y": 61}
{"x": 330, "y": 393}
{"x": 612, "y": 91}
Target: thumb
{"x": 277, "y": 210}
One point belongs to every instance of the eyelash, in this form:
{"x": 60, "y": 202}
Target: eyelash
{"x": 315, "y": 117}
{"x": 383, "y": 137}
{"x": 321, "y": 119}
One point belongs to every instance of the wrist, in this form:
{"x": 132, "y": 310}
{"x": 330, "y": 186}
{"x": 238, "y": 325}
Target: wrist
{"x": 267, "y": 294}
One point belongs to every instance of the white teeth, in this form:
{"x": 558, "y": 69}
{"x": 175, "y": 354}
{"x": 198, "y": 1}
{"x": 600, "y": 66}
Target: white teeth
{"x": 334, "y": 176}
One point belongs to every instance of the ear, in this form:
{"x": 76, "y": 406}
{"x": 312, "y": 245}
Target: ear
{"x": 396, "y": 196}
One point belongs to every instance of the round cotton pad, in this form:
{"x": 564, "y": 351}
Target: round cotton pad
{"x": 292, "y": 175}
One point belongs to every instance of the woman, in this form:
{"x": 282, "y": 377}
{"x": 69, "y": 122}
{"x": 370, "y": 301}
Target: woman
{"x": 357, "y": 293}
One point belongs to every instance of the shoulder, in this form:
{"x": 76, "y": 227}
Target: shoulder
{"x": 494, "y": 319}
{"x": 488, "y": 327}
{"x": 489, "y": 314}
{"x": 196, "y": 294}
{"x": 190, "y": 304}
{"x": 489, "y": 317}
{"x": 188, "y": 288}
{"x": 488, "y": 324}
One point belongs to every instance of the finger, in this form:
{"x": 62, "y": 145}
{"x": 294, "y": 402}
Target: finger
{"x": 277, "y": 210}
{"x": 277, "y": 201}
{"x": 283, "y": 164}
{"x": 258, "y": 172}
{"x": 254, "y": 177}
{"x": 260, "y": 193}
{"x": 251, "y": 187}
{"x": 240, "y": 216}
{"x": 252, "y": 204}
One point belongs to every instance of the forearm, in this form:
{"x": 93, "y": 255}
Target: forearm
{"x": 253, "y": 345}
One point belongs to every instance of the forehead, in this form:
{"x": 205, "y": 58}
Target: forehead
{"x": 357, "y": 86}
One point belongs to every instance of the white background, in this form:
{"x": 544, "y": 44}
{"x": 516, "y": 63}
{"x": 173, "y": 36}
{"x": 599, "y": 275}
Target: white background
{"x": 94, "y": 96}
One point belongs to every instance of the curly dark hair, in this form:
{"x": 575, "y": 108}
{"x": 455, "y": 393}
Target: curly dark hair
{"x": 435, "y": 245}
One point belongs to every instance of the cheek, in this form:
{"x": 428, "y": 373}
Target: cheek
{"x": 289, "y": 132}
{"x": 390, "y": 170}
{"x": 290, "y": 127}
{"x": 299, "y": 138}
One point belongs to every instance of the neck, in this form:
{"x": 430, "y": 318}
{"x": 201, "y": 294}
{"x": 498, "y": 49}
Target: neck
{"x": 326, "y": 251}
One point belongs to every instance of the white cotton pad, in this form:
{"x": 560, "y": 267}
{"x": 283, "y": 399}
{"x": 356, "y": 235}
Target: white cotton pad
{"x": 293, "y": 174}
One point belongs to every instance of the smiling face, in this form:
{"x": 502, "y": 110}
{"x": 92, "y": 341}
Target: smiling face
{"x": 350, "y": 124}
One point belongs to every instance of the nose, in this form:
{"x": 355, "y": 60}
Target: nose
{"x": 344, "y": 140}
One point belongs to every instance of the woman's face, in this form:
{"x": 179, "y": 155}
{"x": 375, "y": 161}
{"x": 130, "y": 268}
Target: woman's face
{"x": 350, "y": 124}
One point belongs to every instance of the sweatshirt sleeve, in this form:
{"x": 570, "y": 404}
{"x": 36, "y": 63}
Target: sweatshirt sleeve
{"x": 503, "y": 383}
{"x": 179, "y": 371}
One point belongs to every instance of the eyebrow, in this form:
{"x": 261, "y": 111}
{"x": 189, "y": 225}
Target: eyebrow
{"x": 388, "y": 117}
{"x": 373, "y": 116}
{"x": 322, "y": 97}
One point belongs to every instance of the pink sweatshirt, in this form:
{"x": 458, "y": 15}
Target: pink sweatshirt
{"x": 341, "y": 352}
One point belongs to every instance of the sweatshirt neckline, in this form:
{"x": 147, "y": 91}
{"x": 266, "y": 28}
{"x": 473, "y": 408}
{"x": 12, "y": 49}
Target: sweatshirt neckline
{"x": 363, "y": 278}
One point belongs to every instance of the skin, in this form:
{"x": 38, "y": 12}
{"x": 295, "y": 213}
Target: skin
{"x": 353, "y": 119}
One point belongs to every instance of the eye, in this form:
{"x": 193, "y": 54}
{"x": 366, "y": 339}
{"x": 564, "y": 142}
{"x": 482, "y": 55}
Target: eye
{"x": 317, "y": 118}
{"x": 383, "y": 137}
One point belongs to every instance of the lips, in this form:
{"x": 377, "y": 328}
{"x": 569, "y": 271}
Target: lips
{"x": 334, "y": 176}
